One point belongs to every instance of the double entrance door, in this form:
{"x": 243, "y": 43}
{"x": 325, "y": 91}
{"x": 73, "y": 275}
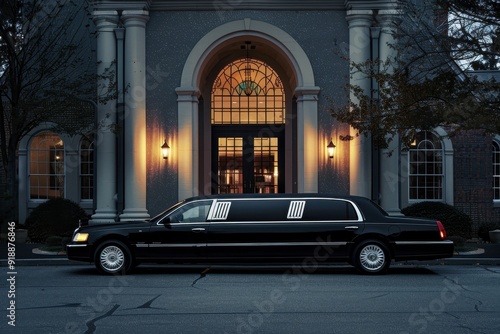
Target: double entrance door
{"x": 247, "y": 159}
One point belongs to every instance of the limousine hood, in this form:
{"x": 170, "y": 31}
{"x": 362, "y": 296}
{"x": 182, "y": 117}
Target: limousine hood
{"x": 122, "y": 224}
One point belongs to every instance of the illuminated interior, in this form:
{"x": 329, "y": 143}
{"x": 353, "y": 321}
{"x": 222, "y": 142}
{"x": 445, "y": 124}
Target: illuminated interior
{"x": 247, "y": 92}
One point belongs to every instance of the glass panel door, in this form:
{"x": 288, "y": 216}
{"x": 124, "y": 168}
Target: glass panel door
{"x": 230, "y": 165}
{"x": 265, "y": 167}
{"x": 246, "y": 164}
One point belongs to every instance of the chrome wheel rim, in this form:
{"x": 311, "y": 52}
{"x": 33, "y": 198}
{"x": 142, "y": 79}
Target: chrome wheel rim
{"x": 372, "y": 257}
{"x": 112, "y": 258}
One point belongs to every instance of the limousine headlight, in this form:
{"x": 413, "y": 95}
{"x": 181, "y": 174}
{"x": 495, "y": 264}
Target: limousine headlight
{"x": 80, "y": 237}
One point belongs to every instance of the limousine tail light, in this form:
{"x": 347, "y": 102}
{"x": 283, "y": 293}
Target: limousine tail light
{"x": 442, "y": 231}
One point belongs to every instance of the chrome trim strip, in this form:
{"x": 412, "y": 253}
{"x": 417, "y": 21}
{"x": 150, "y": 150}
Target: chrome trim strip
{"x": 423, "y": 242}
{"x": 295, "y": 222}
{"x": 241, "y": 244}
{"x": 277, "y": 244}
{"x": 79, "y": 245}
{"x": 173, "y": 245}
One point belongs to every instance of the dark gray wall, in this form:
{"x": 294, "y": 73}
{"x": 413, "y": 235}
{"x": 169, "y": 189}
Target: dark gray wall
{"x": 171, "y": 36}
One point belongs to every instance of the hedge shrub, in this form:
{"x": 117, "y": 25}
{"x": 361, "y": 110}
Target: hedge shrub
{"x": 56, "y": 217}
{"x": 485, "y": 228}
{"x": 454, "y": 221}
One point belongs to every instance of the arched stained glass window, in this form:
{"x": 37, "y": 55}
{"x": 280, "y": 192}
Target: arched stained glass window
{"x": 247, "y": 91}
{"x": 426, "y": 168}
{"x": 496, "y": 170}
{"x": 47, "y": 174}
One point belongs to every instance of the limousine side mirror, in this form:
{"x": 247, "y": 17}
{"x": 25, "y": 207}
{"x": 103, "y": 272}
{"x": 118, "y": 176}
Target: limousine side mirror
{"x": 166, "y": 222}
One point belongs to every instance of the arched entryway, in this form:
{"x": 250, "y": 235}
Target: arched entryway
{"x": 247, "y": 117}
{"x": 278, "y": 51}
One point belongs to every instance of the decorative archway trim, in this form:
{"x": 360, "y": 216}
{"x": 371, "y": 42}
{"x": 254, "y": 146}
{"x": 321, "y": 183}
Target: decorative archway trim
{"x": 302, "y": 83}
{"x": 282, "y": 40}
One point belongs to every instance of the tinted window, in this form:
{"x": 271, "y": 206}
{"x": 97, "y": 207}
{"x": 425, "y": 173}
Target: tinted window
{"x": 258, "y": 210}
{"x": 320, "y": 209}
{"x": 191, "y": 213}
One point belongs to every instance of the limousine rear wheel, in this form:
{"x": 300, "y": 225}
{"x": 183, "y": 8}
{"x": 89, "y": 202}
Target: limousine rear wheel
{"x": 372, "y": 257}
{"x": 113, "y": 257}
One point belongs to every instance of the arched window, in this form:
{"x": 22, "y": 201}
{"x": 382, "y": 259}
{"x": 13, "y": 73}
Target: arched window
{"x": 46, "y": 171}
{"x": 426, "y": 170}
{"x": 87, "y": 168}
{"x": 496, "y": 170}
{"x": 248, "y": 91}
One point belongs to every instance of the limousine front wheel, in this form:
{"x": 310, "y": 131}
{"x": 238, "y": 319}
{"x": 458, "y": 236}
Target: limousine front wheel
{"x": 372, "y": 257}
{"x": 113, "y": 257}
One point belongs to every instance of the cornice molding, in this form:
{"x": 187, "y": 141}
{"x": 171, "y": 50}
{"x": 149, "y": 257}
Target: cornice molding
{"x": 228, "y": 5}
{"x": 371, "y": 4}
{"x": 122, "y": 5}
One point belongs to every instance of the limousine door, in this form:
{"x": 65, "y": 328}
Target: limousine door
{"x": 182, "y": 234}
{"x": 280, "y": 229}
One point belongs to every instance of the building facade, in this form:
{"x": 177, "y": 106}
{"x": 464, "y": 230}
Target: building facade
{"x": 239, "y": 91}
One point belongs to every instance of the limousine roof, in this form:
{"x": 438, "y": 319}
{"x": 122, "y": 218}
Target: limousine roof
{"x": 367, "y": 206}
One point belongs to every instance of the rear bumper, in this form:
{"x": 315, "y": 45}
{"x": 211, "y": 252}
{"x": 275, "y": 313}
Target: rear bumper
{"x": 422, "y": 250}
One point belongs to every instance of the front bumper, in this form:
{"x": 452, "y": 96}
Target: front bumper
{"x": 79, "y": 252}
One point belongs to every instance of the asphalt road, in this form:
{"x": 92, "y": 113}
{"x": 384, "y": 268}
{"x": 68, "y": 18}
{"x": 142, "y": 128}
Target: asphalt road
{"x": 409, "y": 299}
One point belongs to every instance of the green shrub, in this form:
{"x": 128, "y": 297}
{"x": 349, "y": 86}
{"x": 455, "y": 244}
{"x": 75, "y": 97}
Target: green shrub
{"x": 56, "y": 217}
{"x": 454, "y": 221}
{"x": 485, "y": 228}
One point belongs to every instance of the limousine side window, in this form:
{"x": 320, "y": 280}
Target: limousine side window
{"x": 258, "y": 210}
{"x": 326, "y": 209}
{"x": 195, "y": 212}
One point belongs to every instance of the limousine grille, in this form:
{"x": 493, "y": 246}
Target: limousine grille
{"x": 296, "y": 209}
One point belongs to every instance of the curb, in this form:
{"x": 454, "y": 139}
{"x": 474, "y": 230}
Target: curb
{"x": 475, "y": 261}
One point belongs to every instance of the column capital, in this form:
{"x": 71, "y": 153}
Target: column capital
{"x": 359, "y": 18}
{"x": 187, "y": 94}
{"x": 105, "y": 20}
{"x": 388, "y": 19}
{"x": 137, "y": 18}
{"x": 307, "y": 93}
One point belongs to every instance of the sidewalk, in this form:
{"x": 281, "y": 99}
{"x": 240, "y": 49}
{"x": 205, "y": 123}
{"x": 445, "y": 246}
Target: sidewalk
{"x": 31, "y": 255}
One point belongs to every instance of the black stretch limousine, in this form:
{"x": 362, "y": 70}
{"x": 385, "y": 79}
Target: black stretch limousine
{"x": 277, "y": 228}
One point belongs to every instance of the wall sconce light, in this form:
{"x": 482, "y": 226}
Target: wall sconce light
{"x": 330, "y": 149}
{"x": 165, "y": 150}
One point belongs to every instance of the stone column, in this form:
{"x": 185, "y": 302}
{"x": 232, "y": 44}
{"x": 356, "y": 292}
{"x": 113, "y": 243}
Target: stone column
{"x": 105, "y": 141}
{"x": 360, "y": 170}
{"x": 307, "y": 139}
{"x": 389, "y": 158}
{"x": 134, "y": 22}
{"x": 188, "y": 164}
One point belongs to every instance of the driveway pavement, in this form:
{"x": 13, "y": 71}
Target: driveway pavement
{"x": 30, "y": 254}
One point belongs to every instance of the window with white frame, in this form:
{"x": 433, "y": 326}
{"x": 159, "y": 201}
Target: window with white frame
{"x": 46, "y": 166}
{"x": 87, "y": 168}
{"x": 426, "y": 167}
{"x": 496, "y": 170}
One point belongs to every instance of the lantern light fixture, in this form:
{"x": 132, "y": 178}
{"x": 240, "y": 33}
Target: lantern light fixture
{"x": 330, "y": 149}
{"x": 165, "y": 150}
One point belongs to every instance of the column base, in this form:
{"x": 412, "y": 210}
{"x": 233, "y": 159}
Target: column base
{"x": 134, "y": 214}
{"x": 103, "y": 216}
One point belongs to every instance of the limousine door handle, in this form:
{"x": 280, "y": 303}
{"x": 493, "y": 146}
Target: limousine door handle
{"x": 198, "y": 229}
{"x": 351, "y": 227}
